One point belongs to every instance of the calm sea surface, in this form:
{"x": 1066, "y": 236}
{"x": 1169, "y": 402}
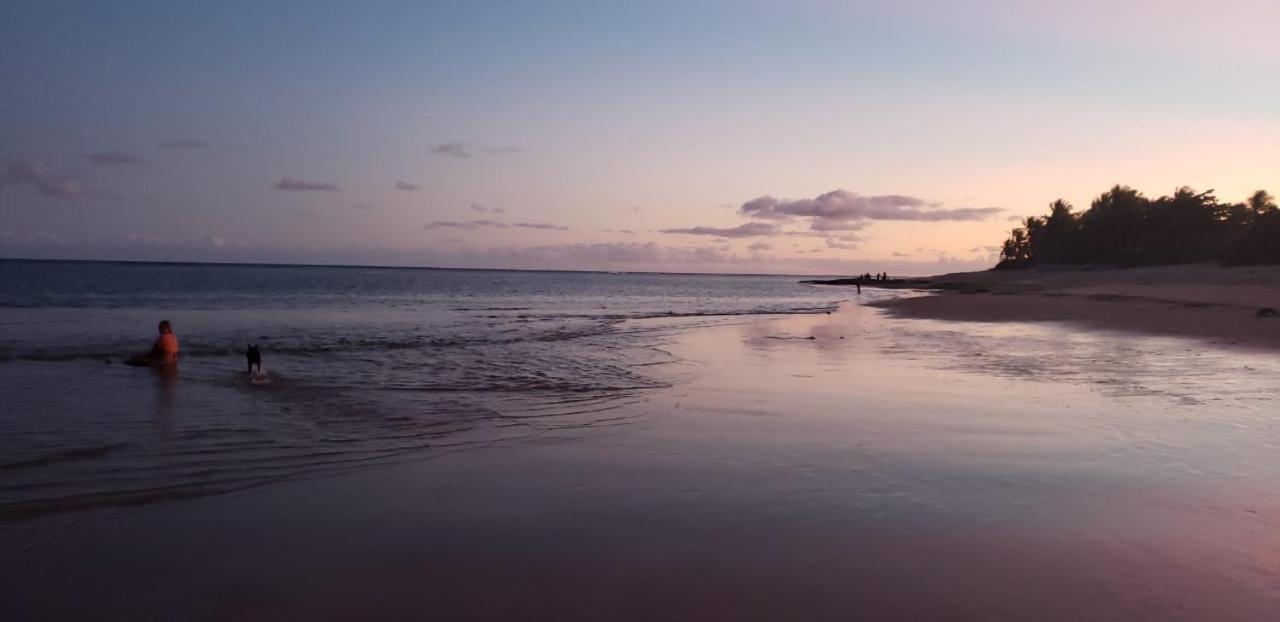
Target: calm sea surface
{"x": 364, "y": 365}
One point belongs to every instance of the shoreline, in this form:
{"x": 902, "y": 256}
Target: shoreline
{"x": 779, "y": 481}
{"x": 1220, "y": 305}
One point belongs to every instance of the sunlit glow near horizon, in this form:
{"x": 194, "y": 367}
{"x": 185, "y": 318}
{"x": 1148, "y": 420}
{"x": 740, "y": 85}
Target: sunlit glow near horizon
{"x": 695, "y": 137}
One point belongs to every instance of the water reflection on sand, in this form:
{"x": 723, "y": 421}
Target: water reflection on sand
{"x": 843, "y": 466}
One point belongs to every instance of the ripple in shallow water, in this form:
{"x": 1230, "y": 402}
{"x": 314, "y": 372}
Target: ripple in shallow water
{"x": 365, "y": 367}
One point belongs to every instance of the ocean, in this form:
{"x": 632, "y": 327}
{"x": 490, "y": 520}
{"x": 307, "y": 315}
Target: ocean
{"x": 364, "y": 366}
{"x": 540, "y": 445}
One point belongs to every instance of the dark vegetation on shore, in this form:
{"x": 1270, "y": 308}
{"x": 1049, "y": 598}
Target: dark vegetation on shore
{"x": 1123, "y": 228}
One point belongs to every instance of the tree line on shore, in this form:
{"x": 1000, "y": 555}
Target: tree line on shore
{"x": 1124, "y": 228}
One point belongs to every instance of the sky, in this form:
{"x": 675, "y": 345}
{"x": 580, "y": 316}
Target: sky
{"x": 764, "y": 137}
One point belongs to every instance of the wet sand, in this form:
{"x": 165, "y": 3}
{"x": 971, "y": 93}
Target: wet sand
{"x": 850, "y": 466}
{"x": 1209, "y": 302}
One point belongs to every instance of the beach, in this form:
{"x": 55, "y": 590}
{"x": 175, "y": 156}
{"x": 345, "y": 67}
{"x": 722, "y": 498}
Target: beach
{"x": 1217, "y": 304}
{"x": 620, "y": 312}
{"x": 851, "y": 464}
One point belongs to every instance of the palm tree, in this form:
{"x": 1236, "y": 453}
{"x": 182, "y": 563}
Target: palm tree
{"x": 1124, "y": 228}
{"x": 1113, "y": 231}
{"x": 1260, "y": 202}
{"x": 1058, "y": 240}
{"x": 1016, "y": 251}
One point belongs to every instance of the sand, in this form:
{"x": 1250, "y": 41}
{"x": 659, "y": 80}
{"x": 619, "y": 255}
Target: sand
{"x": 841, "y": 467}
{"x": 1208, "y": 302}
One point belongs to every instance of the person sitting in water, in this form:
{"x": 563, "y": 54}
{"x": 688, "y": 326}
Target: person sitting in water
{"x": 164, "y": 352}
{"x": 165, "y": 349}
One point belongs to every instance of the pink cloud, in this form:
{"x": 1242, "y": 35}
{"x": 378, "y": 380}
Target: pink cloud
{"x": 35, "y": 175}
{"x": 836, "y": 210}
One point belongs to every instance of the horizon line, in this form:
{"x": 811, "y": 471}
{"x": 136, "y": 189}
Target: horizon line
{"x": 393, "y": 267}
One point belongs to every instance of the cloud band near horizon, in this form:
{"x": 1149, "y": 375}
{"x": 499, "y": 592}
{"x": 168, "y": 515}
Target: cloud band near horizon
{"x": 289, "y": 184}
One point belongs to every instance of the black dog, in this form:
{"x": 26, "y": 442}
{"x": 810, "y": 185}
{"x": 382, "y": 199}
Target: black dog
{"x": 254, "y": 358}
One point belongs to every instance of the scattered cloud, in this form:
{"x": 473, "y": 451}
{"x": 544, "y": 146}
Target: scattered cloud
{"x": 634, "y": 255}
{"x": 1015, "y": 218}
{"x": 18, "y": 173}
{"x": 452, "y": 150}
{"x": 491, "y": 224}
{"x": 479, "y": 207}
{"x": 184, "y": 144}
{"x": 465, "y": 150}
{"x": 822, "y": 224}
{"x": 646, "y": 254}
{"x": 759, "y": 247}
{"x": 835, "y": 243}
{"x": 747, "y": 230}
{"x": 635, "y": 208}
{"x": 112, "y": 158}
{"x": 902, "y": 254}
{"x": 626, "y": 231}
{"x": 471, "y": 224}
{"x": 448, "y": 224}
{"x": 298, "y": 185}
{"x": 142, "y": 239}
{"x": 404, "y": 185}
{"x": 842, "y": 210}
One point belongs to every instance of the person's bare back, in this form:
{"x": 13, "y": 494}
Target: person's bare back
{"x": 164, "y": 352}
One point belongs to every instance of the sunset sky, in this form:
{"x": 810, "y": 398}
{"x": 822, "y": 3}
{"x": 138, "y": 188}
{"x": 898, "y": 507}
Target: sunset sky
{"x": 797, "y": 137}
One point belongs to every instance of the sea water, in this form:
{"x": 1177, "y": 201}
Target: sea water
{"x": 363, "y": 366}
